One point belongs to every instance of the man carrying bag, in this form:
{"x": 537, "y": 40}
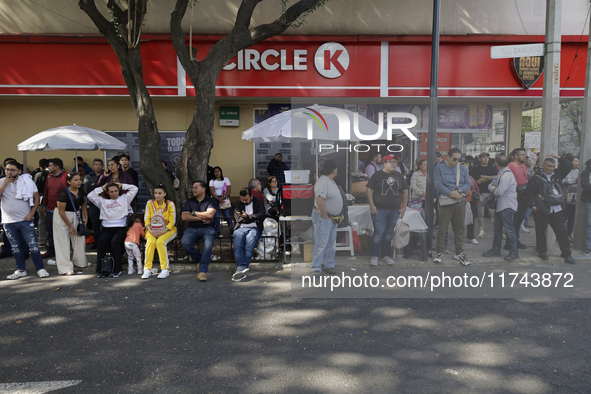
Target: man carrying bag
{"x": 452, "y": 181}
{"x": 545, "y": 196}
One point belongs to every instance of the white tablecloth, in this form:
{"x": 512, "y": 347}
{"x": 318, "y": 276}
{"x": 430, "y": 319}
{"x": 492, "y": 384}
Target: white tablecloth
{"x": 362, "y": 215}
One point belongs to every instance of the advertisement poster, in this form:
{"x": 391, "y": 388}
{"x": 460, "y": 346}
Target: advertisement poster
{"x": 171, "y": 147}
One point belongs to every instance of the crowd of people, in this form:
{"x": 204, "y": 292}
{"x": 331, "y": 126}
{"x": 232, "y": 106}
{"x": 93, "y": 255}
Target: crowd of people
{"x": 509, "y": 191}
{"x": 62, "y": 204}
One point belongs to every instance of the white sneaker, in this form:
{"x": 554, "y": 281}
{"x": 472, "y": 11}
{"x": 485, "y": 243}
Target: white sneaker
{"x": 51, "y": 262}
{"x": 42, "y": 273}
{"x": 522, "y": 229}
{"x": 473, "y": 241}
{"x": 373, "y": 261}
{"x": 140, "y": 269}
{"x": 130, "y": 269}
{"x": 481, "y": 233}
{"x": 17, "y": 274}
{"x": 163, "y": 274}
{"x": 147, "y": 274}
{"x": 388, "y": 260}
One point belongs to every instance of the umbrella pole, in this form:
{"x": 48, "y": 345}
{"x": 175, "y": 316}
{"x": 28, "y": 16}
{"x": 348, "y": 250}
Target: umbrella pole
{"x": 25, "y": 171}
{"x": 76, "y": 158}
{"x": 317, "y": 169}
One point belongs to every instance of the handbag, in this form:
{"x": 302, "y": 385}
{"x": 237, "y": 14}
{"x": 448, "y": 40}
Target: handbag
{"x": 401, "y": 235}
{"x": 107, "y": 265}
{"x": 469, "y": 218}
{"x": 491, "y": 200}
{"x": 447, "y": 200}
{"x": 225, "y": 203}
{"x": 80, "y": 228}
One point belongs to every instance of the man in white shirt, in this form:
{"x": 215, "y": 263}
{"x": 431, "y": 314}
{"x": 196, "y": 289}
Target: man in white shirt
{"x": 18, "y": 211}
{"x": 328, "y": 202}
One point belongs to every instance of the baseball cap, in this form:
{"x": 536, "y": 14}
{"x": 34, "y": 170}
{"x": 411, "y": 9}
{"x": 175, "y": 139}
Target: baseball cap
{"x": 391, "y": 157}
{"x": 484, "y": 154}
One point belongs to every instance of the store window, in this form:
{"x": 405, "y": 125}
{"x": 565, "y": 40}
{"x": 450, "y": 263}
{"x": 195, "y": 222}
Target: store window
{"x": 493, "y": 141}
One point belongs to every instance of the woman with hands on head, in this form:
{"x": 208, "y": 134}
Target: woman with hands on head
{"x": 114, "y": 208}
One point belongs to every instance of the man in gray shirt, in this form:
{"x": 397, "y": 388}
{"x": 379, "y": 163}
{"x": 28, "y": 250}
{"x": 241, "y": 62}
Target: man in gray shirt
{"x": 504, "y": 188}
{"x": 327, "y": 203}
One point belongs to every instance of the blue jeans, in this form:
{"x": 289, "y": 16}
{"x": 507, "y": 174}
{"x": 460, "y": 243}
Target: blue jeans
{"x": 383, "y": 226}
{"x": 325, "y": 238}
{"x": 527, "y": 215}
{"x": 245, "y": 239}
{"x": 504, "y": 220}
{"x": 193, "y": 235}
{"x": 227, "y": 215}
{"x": 588, "y": 227}
{"x": 23, "y": 233}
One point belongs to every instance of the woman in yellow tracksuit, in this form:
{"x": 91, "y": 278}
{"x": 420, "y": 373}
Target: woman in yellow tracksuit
{"x": 160, "y": 205}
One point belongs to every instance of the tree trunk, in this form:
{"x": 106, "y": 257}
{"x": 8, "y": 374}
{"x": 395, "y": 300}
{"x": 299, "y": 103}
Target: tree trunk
{"x": 130, "y": 59}
{"x": 199, "y": 139}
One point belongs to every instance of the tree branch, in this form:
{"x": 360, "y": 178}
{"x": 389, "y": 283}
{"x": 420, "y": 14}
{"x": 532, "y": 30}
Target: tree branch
{"x": 119, "y": 15}
{"x": 239, "y": 39}
{"x": 244, "y": 15}
{"x": 178, "y": 37}
{"x": 106, "y": 28}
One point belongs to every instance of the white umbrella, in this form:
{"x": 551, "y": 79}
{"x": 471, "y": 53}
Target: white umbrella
{"x": 325, "y": 125}
{"x": 291, "y": 124}
{"x": 72, "y": 137}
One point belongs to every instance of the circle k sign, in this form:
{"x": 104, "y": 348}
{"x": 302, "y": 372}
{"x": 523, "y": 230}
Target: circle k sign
{"x": 331, "y": 60}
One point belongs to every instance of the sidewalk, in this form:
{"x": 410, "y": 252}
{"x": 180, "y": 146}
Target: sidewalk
{"x": 346, "y": 261}
{"x": 473, "y": 253}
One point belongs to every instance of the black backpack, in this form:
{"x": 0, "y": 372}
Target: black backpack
{"x": 547, "y": 192}
{"x": 40, "y": 182}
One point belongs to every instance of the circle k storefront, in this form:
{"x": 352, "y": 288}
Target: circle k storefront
{"x": 48, "y": 81}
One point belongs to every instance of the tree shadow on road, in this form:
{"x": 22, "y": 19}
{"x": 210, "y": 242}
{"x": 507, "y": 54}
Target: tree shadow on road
{"x": 182, "y": 336}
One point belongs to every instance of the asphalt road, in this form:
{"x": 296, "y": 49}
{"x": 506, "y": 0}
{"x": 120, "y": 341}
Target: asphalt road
{"x": 178, "y": 335}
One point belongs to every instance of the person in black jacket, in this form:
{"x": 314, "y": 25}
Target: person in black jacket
{"x": 586, "y": 199}
{"x": 543, "y": 196}
{"x": 249, "y": 213}
{"x": 277, "y": 168}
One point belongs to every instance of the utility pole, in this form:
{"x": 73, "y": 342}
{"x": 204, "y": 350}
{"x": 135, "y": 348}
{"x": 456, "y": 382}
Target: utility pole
{"x": 551, "y": 97}
{"x": 432, "y": 135}
{"x": 584, "y": 155}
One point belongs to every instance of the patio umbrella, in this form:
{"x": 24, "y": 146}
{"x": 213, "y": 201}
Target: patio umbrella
{"x": 72, "y": 137}
{"x": 292, "y": 124}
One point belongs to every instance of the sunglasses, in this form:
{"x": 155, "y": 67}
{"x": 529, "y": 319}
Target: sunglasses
{"x": 455, "y": 159}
